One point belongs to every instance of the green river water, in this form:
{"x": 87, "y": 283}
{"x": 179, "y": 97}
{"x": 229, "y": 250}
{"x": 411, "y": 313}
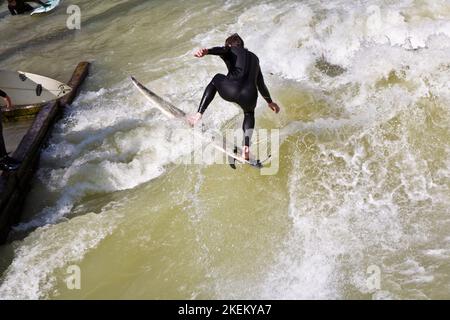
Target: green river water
{"x": 363, "y": 179}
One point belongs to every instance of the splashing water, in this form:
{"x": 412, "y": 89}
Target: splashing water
{"x": 364, "y": 174}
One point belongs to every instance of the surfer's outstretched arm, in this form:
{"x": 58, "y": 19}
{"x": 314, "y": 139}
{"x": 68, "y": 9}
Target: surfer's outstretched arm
{"x": 216, "y": 51}
{"x": 262, "y": 88}
{"x": 219, "y": 51}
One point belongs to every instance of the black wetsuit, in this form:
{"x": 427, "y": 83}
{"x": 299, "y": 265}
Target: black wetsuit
{"x": 2, "y": 141}
{"x": 22, "y": 7}
{"x": 240, "y": 85}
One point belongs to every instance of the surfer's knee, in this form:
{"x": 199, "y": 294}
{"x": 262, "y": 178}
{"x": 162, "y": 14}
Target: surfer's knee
{"x": 217, "y": 79}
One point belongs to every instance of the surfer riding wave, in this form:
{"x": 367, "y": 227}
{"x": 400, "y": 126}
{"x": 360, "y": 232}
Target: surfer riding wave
{"x": 240, "y": 85}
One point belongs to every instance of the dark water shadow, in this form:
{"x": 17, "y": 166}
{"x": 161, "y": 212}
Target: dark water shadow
{"x": 4, "y": 14}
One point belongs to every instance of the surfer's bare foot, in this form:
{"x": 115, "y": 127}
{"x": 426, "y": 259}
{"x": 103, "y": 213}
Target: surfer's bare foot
{"x": 275, "y": 108}
{"x": 246, "y": 153}
{"x": 193, "y": 119}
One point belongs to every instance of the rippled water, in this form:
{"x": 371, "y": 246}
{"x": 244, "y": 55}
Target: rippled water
{"x": 364, "y": 180}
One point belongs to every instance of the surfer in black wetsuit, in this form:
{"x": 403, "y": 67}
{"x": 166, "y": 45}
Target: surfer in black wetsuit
{"x": 240, "y": 85}
{"x": 21, "y": 6}
{"x": 6, "y": 163}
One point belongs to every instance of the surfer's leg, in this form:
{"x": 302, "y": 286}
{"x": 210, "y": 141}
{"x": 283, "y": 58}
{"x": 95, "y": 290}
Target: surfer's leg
{"x": 207, "y": 98}
{"x": 248, "y": 126}
{"x": 247, "y": 100}
{"x": 210, "y": 92}
{"x": 218, "y": 83}
{"x": 228, "y": 90}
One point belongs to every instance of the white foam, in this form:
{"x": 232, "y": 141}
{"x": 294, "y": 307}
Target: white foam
{"x": 368, "y": 193}
{"x": 102, "y": 148}
{"x": 48, "y": 249}
{"x": 404, "y": 45}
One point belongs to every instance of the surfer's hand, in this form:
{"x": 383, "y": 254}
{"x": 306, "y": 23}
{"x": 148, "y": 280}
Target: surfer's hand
{"x": 201, "y": 53}
{"x": 193, "y": 119}
{"x": 275, "y": 108}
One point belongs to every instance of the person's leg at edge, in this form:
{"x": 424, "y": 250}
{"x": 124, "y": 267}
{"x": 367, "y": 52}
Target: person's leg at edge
{"x": 3, "y": 152}
{"x": 6, "y": 163}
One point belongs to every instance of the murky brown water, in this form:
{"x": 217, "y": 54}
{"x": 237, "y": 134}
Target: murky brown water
{"x": 364, "y": 180}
